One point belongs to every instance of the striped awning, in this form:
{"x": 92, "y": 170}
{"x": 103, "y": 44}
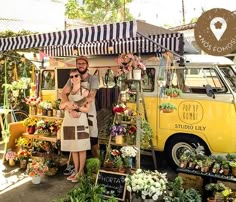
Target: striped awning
{"x": 99, "y": 40}
{"x": 130, "y": 45}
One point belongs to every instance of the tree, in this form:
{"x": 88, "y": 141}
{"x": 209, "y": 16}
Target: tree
{"x": 99, "y": 11}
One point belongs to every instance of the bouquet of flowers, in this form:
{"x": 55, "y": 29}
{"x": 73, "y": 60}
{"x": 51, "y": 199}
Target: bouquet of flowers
{"x": 128, "y": 151}
{"x": 23, "y": 154}
{"x": 36, "y": 169}
{"x": 129, "y": 62}
{"x": 119, "y": 108}
{"x": 32, "y": 100}
{"x": 46, "y": 104}
{"x": 117, "y": 130}
{"x": 115, "y": 152}
{"x": 30, "y": 121}
{"x": 147, "y": 184}
{"x": 11, "y": 155}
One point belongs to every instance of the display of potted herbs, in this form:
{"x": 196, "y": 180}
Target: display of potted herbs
{"x": 167, "y": 107}
{"x": 184, "y": 159}
{"x": 225, "y": 168}
{"x": 173, "y": 92}
{"x": 232, "y": 164}
{"x": 118, "y": 164}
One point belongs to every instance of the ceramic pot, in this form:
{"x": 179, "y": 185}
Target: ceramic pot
{"x": 31, "y": 129}
{"x": 119, "y": 139}
{"x": 12, "y": 162}
{"x": 137, "y": 74}
{"x": 36, "y": 179}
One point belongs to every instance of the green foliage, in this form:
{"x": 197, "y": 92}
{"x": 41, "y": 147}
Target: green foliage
{"x": 173, "y": 91}
{"x": 87, "y": 192}
{"x": 167, "y": 105}
{"x": 99, "y": 11}
{"x": 92, "y": 166}
{"x": 215, "y": 187}
{"x": 118, "y": 162}
{"x": 146, "y": 135}
{"x": 176, "y": 193}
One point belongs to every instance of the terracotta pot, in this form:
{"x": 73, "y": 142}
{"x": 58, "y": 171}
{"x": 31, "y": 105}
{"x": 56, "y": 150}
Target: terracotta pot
{"x": 173, "y": 95}
{"x": 233, "y": 171}
{"x": 23, "y": 164}
{"x": 167, "y": 110}
{"x": 211, "y": 200}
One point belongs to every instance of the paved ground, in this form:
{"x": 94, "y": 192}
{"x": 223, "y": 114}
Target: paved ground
{"x": 16, "y": 187}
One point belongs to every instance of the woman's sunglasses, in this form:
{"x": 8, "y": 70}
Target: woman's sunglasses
{"x": 76, "y": 76}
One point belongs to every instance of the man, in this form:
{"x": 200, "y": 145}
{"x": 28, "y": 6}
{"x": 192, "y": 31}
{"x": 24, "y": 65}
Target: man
{"x": 89, "y": 82}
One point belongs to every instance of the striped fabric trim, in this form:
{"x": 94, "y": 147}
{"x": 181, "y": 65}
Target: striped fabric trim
{"x": 86, "y": 34}
{"x": 129, "y": 45}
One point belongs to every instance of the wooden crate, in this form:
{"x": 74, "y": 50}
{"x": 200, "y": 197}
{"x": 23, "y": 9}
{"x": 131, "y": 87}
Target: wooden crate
{"x": 192, "y": 181}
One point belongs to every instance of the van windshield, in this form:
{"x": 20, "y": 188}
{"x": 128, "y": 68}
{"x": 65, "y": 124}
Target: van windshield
{"x": 230, "y": 76}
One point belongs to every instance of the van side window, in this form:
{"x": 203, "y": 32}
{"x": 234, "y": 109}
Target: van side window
{"x": 194, "y": 80}
{"x": 48, "y": 80}
{"x": 229, "y": 75}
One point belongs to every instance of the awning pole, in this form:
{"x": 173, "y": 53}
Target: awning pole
{"x": 174, "y": 53}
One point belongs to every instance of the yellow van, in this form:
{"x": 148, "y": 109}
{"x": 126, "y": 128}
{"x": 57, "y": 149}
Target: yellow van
{"x": 206, "y": 110}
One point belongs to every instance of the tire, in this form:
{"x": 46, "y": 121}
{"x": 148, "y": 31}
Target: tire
{"x": 19, "y": 115}
{"x": 176, "y": 145}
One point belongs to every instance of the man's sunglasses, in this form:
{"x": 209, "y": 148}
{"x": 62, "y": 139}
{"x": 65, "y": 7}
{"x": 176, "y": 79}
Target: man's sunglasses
{"x": 76, "y": 76}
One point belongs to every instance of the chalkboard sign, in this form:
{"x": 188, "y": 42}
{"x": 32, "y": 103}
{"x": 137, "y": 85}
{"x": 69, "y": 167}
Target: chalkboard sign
{"x": 114, "y": 184}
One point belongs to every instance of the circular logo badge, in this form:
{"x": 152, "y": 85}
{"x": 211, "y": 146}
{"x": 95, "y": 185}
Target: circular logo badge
{"x": 215, "y": 32}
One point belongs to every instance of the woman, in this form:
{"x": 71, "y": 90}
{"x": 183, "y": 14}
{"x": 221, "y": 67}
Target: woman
{"x": 75, "y": 131}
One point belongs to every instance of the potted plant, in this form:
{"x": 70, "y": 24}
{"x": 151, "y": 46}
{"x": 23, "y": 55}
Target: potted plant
{"x": 184, "y": 159}
{"x": 147, "y": 184}
{"x": 118, "y": 131}
{"x": 11, "y": 156}
{"x": 33, "y": 101}
{"x": 24, "y": 143}
{"x": 233, "y": 167}
{"x": 225, "y": 167}
{"x": 173, "y": 92}
{"x": 23, "y": 156}
{"x": 92, "y": 166}
{"x": 215, "y": 190}
{"x": 30, "y": 123}
{"x": 167, "y": 107}
{"x": 128, "y": 153}
{"x": 55, "y": 106}
{"x": 35, "y": 170}
{"x": 118, "y": 164}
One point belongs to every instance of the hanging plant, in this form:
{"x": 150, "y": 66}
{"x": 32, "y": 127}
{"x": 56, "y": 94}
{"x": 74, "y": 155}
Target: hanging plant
{"x": 167, "y": 107}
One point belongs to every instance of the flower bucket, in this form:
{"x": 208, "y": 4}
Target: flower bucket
{"x": 36, "y": 179}
{"x": 44, "y": 112}
{"x": 137, "y": 74}
{"x": 130, "y": 75}
{"x": 23, "y": 164}
{"x": 33, "y": 110}
{"x": 119, "y": 139}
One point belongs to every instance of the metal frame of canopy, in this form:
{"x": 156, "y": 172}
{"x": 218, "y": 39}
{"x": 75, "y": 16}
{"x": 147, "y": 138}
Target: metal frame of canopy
{"x": 116, "y": 38}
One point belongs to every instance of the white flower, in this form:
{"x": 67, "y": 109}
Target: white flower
{"x": 147, "y": 183}
{"x": 128, "y": 151}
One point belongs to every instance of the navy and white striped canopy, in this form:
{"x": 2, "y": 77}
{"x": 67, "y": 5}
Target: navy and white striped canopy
{"x": 98, "y": 40}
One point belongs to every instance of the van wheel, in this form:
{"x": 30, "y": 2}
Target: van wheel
{"x": 177, "y": 145}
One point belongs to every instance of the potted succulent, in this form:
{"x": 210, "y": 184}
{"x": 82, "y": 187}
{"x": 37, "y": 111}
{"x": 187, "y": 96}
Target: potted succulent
{"x": 233, "y": 167}
{"x": 173, "y": 92}
{"x": 167, "y": 107}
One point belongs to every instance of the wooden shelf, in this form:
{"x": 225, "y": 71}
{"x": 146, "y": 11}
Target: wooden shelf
{"x": 46, "y": 117}
{"x": 40, "y": 137}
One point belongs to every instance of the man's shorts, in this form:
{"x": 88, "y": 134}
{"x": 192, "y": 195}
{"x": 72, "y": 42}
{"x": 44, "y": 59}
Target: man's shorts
{"x": 93, "y": 141}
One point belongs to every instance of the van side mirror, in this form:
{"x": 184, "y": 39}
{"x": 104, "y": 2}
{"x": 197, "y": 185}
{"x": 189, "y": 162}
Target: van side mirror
{"x": 209, "y": 91}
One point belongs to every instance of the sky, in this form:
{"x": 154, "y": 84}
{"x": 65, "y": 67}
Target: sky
{"x": 169, "y": 12}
